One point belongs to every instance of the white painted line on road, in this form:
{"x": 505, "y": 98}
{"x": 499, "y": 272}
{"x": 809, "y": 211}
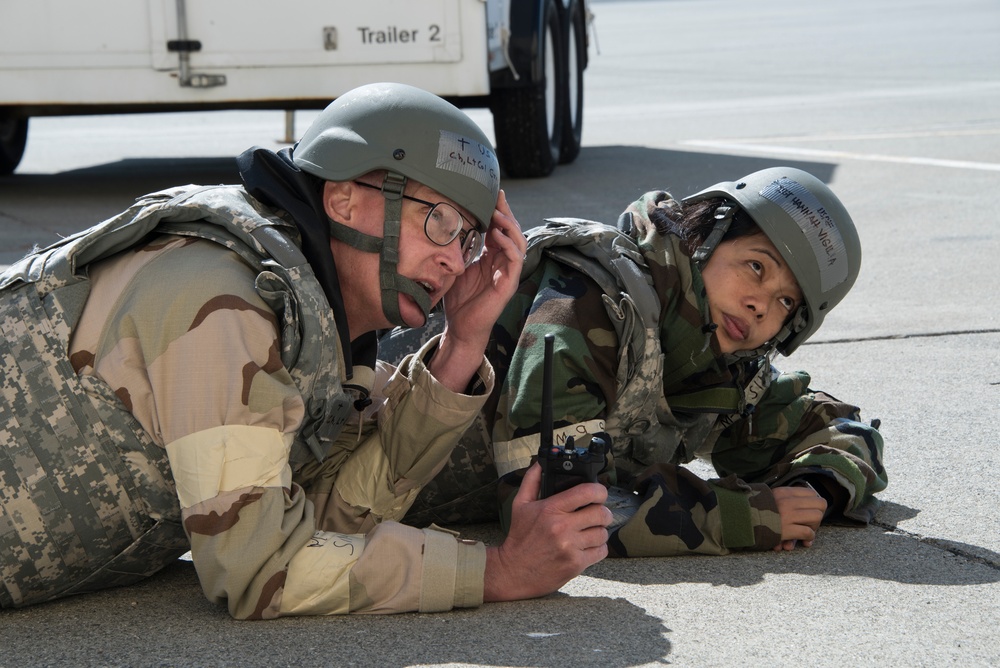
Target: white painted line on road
{"x": 906, "y": 134}
{"x": 819, "y": 153}
{"x": 616, "y": 110}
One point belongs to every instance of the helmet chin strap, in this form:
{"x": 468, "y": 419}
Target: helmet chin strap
{"x": 792, "y": 327}
{"x": 391, "y": 281}
{"x": 723, "y": 219}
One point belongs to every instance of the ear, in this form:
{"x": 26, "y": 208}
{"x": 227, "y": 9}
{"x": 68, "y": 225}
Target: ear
{"x": 339, "y": 200}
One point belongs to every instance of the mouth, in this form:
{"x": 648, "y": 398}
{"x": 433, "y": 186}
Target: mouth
{"x": 435, "y": 292}
{"x": 736, "y": 328}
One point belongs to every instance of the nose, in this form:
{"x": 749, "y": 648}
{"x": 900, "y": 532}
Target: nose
{"x": 757, "y": 305}
{"x": 450, "y": 258}
{"x": 759, "y": 301}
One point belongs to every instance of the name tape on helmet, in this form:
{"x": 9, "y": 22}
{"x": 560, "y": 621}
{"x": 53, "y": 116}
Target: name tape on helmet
{"x": 816, "y": 224}
{"x": 468, "y": 157}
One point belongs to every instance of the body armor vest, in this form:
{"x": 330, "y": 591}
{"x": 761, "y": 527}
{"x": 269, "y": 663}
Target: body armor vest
{"x": 616, "y": 264}
{"x": 77, "y": 513}
{"x": 644, "y": 428}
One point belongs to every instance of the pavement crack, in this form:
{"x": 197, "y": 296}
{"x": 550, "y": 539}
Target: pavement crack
{"x": 947, "y": 546}
{"x": 893, "y": 337}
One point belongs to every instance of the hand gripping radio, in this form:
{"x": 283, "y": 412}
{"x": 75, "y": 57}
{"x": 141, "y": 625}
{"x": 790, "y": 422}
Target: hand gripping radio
{"x": 571, "y": 463}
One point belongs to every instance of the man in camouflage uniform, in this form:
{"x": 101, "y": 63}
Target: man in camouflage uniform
{"x": 664, "y": 330}
{"x": 200, "y": 373}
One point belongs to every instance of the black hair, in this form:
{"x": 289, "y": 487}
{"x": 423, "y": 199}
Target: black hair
{"x": 694, "y": 221}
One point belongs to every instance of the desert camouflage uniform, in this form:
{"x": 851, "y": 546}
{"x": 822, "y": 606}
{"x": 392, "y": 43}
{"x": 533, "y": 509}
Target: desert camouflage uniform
{"x": 195, "y": 399}
{"x": 643, "y": 365}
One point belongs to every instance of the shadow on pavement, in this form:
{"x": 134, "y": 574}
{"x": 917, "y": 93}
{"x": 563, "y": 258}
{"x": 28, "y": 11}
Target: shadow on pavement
{"x": 39, "y": 209}
{"x": 878, "y": 551}
{"x": 601, "y": 174}
{"x": 605, "y": 179}
{"x": 167, "y": 621}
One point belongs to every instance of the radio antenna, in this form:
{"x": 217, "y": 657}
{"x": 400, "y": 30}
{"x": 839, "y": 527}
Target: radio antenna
{"x": 545, "y": 435}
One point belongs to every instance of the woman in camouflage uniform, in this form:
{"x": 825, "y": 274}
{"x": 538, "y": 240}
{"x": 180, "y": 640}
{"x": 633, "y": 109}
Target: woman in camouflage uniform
{"x": 665, "y": 327}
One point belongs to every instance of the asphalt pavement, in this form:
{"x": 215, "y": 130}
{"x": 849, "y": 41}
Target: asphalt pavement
{"x": 897, "y": 105}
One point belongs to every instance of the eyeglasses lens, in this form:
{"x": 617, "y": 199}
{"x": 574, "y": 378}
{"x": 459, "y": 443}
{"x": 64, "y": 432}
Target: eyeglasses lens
{"x": 444, "y": 224}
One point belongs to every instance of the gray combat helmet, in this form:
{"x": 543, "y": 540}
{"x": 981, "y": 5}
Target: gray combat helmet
{"x": 414, "y": 135}
{"x": 813, "y": 232}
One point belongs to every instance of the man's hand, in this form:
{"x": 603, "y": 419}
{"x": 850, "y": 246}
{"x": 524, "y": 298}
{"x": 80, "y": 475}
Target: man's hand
{"x": 479, "y": 295}
{"x": 477, "y": 299}
{"x": 801, "y": 510}
{"x": 550, "y": 541}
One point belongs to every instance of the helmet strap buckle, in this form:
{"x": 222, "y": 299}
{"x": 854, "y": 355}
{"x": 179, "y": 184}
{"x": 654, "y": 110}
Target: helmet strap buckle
{"x": 723, "y": 219}
{"x": 393, "y": 186}
{"x": 794, "y": 325}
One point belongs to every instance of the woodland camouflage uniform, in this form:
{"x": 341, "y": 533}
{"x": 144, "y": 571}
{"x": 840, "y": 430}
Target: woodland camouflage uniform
{"x": 606, "y": 296}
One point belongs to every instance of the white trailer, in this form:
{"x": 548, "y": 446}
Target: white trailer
{"x": 524, "y": 59}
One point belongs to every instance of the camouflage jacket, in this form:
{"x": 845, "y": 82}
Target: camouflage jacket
{"x": 668, "y": 395}
{"x": 224, "y": 360}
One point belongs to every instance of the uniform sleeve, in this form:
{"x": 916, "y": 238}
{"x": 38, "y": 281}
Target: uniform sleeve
{"x": 358, "y": 501}
{"x": 255, "y": 544}
{"x": 796, "y": 433}
{"x": 199, "y": 366}
{"x": 680, "y": 513}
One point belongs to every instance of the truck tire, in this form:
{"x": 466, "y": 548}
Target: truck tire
{"x": 13, "y": 137}
{"x": 575, "y": 41}
{"x": 528, "y": 120}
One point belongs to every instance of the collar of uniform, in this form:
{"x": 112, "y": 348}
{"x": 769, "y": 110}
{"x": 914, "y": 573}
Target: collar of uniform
{"x": 274, "y": 180}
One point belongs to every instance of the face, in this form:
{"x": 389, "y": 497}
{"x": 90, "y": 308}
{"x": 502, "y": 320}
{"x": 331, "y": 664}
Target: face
{"x": 433, "y": 266}
{"x": 751, "y": 292}
{"x": 430, "y": 265}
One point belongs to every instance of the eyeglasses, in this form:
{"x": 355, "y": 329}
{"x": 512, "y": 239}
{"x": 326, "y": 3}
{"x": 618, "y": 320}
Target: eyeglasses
{"x": 444, "y": 224}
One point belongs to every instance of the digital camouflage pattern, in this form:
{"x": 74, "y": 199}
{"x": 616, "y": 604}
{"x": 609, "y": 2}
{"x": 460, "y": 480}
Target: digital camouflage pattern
{"x": 698, "y": 404}
{"x": 465, "y": 491}
{"x": 224, "y": 379}
{"x": 72, "y": 518}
